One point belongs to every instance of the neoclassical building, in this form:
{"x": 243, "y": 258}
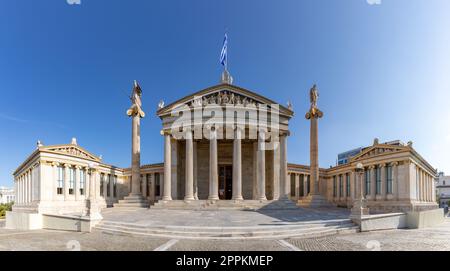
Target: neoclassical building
{"x": 221, "y": 144}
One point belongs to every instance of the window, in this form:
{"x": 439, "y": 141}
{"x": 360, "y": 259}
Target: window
{"x": 367, "y": 181}
{"x": 347, "y": 176}
{"x": 108, "y": 186}
{"x": 82, "y": 181}
{"x": 334, "y": 186}
{"x": 389, "y": 179}
{"x": 157, "y": 185}
{"x": 341, "y": 187}
{"x": 443, "y": 182}
{"x": 102, "y": 180}
{"x": 60, "y": 181}
{"x": 115, "y": 186}
{"x": 71, "y": 180}
{"x": 378, "y": 180}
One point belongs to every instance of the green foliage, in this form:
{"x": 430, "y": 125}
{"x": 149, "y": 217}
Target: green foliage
{"x": 4, "y": 208}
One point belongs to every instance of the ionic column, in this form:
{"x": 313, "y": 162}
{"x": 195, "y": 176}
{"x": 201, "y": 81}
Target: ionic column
{"x": 297, "y": 186}
{"x": 189, "y": 186}
{"x": 86, "y": 183}
{"x": 373, "y": 182}
{"x": 285, "y": 182}
{"x": 261, "y": 160}
{"x": 433, "y": 191}
{"x": 394, "y": 180}
{"x": 276, "y": 172}
{"x": 195, "y": 172}
{"x": 27, "y": 187}
{"x": 105, "y": 181}
{"x": 352, "y": 185}
{"x": 152, "y": 187}
{"x": 237, "y": 165}
{"x": 66, "y": 181}
{"x": 77, "y": 182}
{"x": 20, "y": 189}
{"x": 167, "y": 195}
{"x": 383, "y": 181}
{"x": 111, "y": 187}
{"x": 213, "y": 167}
{"x": 305, "y": 185}
{"x": 30, "y": 185}
{"x": 420, "y": 184}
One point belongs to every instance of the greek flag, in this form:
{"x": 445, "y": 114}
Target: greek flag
{"x": 223, "y": 53}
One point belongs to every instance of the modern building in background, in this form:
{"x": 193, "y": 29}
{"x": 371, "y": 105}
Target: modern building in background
{"x": 443, "y": 189}
{"x": 7, "y": 195}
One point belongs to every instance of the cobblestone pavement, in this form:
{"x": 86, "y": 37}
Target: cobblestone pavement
{"x": 434, "y": 238}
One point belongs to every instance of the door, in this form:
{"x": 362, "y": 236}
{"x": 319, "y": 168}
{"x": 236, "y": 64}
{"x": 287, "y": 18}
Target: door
{"x": 225, "y": 181}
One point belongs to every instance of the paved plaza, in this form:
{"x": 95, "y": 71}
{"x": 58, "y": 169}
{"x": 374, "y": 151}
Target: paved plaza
{"x": 223, "y": 218}
{"x": 433, "y": 238}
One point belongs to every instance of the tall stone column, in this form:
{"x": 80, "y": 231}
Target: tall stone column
{"x": 315, "y": 199}
{"x": 213, "y": 168}
{"x": 77, "y": 183}
{"x": 284, "y": 180}
{"x": 261, "y": 160}
{"x": 135, "y": 198}
{"x": 167, "y": 192}
{"x": 394, "y": 180}
{"x": 135, "y": 156}
{"x": 305, "y": 185}
{"x": 373, "y": 183}
{"x": 189, "y": 186}
{"x": 111, "y": 187}
{"x": 237, "y": 165}
{"x": 195, "y": 172}
{"x": 66, "y": 181}
{"x": 276, "y": 172}
{"x": 382, "y": 194}
{"x": 297, "y": 186}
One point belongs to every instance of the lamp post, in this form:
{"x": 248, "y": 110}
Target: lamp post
{"x": 359, "y": 208}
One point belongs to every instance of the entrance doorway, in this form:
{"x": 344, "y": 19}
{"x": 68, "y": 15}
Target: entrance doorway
{"x": 225, "y": 181}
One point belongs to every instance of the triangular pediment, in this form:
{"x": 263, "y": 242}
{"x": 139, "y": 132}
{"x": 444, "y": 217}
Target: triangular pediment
{"x": 72, "y": 150}
{"x": 223, "y": 94}
{"x": 378, "y": 150}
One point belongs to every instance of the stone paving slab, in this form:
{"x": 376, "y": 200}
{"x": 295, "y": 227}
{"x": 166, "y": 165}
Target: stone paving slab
{"x": 222, "y": 218}
{"x": 239, "y": 245}
{"x": 428, "y": 239}
{"x": 62, "y": 240}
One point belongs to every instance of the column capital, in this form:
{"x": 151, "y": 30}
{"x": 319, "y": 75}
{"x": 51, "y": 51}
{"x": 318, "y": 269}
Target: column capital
{"x": 382, "y": 165}
{"x": 395, "y": 163}
{"x": 371, "y": 167}
{"x": 67, "y": 165}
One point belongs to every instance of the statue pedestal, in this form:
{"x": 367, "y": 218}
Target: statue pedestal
{"x": 133, "y": 201}
{"x": 314, "y": 201}
{"x": 359, "y": 210}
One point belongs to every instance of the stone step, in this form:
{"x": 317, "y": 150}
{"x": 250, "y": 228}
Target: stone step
{"x": 190, "y": 229}
{"x": 225, "y": 234}
{"x": 225, "y": 204}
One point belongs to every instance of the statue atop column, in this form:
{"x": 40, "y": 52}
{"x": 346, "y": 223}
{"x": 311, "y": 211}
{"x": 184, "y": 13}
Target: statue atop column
{"x": 136, "y": 107}
{"x": 135, "y": 198}
{"x": 314, "y": 111}
{"x": 314, "y": 197}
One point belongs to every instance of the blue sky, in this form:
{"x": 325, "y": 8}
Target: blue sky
{"x": 382, "y": 70}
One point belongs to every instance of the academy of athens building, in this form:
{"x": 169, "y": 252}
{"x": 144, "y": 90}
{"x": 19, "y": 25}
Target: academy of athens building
{"x": 214, "y": 159}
